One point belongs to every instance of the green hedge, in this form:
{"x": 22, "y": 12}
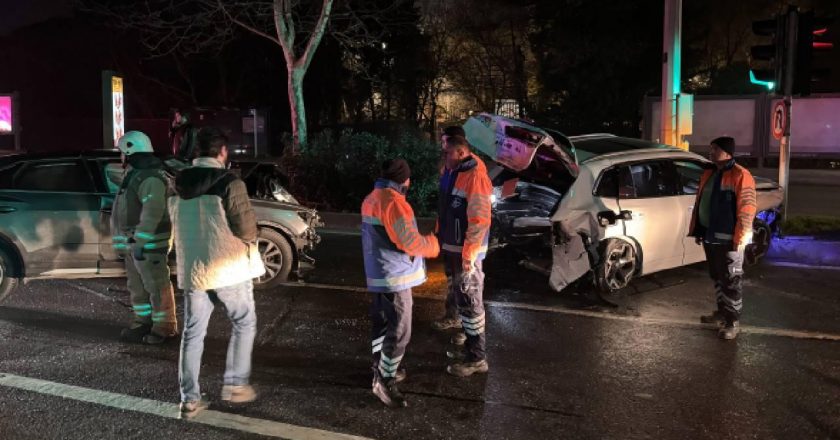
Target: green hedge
{"x": 335, "y": 172}
{"x": 811, "y": 225}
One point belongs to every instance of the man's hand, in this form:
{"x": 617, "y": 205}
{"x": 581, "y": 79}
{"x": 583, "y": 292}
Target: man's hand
{"x": 467, "y": 266}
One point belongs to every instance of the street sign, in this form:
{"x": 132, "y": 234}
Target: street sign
{"x": 779, "y": 121}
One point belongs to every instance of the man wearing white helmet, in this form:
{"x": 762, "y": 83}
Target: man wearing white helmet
{"x": 142, "y": 230}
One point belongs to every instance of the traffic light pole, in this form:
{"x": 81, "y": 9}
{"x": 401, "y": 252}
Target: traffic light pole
{"x": 671, "y": 60}
{"x": 784, "y": 146}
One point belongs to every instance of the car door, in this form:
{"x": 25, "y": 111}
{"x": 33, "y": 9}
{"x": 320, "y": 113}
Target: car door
{"x": 648, "y": 190}
{"x": 52, "y": 210}
{"x": 108, "y": 173}
{"x": 688, "y": 173}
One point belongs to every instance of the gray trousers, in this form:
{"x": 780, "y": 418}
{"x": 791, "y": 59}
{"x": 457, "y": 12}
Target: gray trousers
{"x": 468, "y": 291}
{"x": 390, "y": 314}
{"x": 726, "y": 270}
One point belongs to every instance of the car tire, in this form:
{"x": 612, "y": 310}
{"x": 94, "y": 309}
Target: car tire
{"x": 8, "y": 279}
{"x": 616, "y": 266}
{"x": 762, "y": 237}
{"x": 276, "y": 252}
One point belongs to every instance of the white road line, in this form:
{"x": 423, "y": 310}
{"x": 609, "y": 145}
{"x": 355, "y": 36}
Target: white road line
{"x": 349, "y": 232}
{"x": 170, "y": 410}
{"x": 800, "y": 265}
{"x": 673, "y": 322}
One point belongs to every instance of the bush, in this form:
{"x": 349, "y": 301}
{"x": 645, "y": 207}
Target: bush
{"x": 335, "y": 173}
{"x": 811, "y": 225}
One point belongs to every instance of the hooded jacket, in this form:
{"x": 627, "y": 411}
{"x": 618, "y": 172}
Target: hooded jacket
{"x": 139, "y": 220}
{"x": 464, "y": 209}
{"x": 392, "y": 246}
{"x": 215, "y": 228}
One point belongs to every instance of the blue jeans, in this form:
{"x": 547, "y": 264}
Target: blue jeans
{"x": 238, "y": 302}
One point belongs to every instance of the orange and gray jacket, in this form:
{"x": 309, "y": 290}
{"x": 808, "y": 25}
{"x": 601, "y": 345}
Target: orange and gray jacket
{"x": 393, "y": 247}
{"x": 732, "y": 206}
{"x": 464, "y": 209}
{"x": 139, "y": 220}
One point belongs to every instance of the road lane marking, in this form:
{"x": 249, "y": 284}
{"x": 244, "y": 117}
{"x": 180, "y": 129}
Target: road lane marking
{"x": 673, "y": 322}
{"x": 348, "y": 232}
{"x": 168, "y": 410}
{"x": 801, "y": 266}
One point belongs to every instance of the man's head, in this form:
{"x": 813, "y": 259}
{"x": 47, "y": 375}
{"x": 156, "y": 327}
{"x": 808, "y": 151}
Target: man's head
{"x": 212, "y": 143}
{"x": 722, "y": 149}
{"x": 134, "y": 142}
{"x": 397, "y": 171}
{"x": 457, "y": 149}
{"x": 452, "y": 130}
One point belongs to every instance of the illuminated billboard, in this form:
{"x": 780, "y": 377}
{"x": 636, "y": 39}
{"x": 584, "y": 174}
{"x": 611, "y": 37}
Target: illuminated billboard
{"x": 6, "y": 123}
{"x": 117, "y": 110}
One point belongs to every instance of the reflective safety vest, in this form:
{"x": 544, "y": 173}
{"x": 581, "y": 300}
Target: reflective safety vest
{"x": 732, "y": 207}
{"x": 464, "y": 209}
{"x": 393, "y": 247}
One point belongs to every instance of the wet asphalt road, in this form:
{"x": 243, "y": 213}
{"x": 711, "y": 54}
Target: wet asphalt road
{"x": 562, "y": 365}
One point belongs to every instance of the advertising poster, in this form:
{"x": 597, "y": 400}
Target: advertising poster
{"x": 6, "y": 114}
{"x": 118, "y": 114}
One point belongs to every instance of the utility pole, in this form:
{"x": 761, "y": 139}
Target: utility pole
{"x": 671, "y": 60}
{"x": 787, "y": 87}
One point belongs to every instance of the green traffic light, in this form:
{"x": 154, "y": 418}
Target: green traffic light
{"x": 769, "y": 84}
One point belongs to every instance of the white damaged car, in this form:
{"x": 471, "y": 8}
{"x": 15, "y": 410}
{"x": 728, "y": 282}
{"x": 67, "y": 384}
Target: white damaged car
{"x": 609, "y": 206}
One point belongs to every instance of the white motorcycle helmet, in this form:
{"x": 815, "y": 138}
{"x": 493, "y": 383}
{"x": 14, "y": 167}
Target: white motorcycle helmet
{"x": 135, "y": 142}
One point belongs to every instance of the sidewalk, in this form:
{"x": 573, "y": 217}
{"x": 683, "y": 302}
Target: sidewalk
{"x": 803, "y": 177}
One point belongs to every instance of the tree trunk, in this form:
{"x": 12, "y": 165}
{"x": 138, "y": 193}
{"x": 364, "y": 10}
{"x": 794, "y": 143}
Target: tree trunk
{"x": 297, "y": 109}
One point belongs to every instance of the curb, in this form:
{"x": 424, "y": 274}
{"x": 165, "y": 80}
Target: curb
{"x": 805, "y": 250}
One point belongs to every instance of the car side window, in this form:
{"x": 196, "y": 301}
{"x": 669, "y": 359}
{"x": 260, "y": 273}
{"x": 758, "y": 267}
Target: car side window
{"x": 7, "y": 175}
{"x": 654, "y": 179}
{"x": 616, "y": 183}
{"x": 689, "y": 174}
{"x": 54, "y": 176}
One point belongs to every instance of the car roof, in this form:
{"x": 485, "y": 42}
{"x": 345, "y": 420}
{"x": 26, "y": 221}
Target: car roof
{"x": 599, "y": 145}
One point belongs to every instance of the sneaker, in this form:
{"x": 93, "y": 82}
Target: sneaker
{"x": 729, "y": 331}
{"x": 459, "y": 338}
{"x": 446, "y": 324}
{"x": 715, "y": 317}
{"x": 135, "y": 333}
{"x": 156, "y": 339}
{"x": 238, "y": 393}
{"x": 465, "y": 369}
{"x": 386, "y": 390}
{"x": 191, "y": 409}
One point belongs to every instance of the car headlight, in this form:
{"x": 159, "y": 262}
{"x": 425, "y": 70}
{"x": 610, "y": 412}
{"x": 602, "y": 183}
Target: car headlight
{"x": 281, "y": 195}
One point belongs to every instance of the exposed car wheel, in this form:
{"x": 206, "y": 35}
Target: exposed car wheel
{"x": 762, "y": 236}
{"x": 616, "y": 267}
{"x": 8, "y": 281}
{"x": 277, "y": 257}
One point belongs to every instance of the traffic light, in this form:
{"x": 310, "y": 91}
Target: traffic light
{"x": 810, "y": 40}
{"x": 771, "y": 74}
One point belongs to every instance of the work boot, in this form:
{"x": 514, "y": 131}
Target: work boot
{"x": 191, "y": 409}
{"x": 457, "y": 355}
{"x": 459, "y": 338}
{"x": 238, "y": 393}
{"x": 446, "y": 324}
{"x": 386, "y": 390}
{"x": 465, "y": 369}
{"x": 156, "y": 339}
{"x": 729, "y": 331}
{"x": 135, "y": 333}
{"x": 715, "y": 317}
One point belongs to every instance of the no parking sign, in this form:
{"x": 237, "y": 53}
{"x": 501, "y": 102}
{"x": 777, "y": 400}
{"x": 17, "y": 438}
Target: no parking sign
{"x": 779, "y": 120}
